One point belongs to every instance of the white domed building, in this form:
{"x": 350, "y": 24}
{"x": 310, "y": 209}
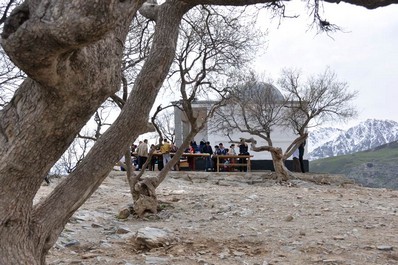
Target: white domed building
{"x": 281, "y": 137}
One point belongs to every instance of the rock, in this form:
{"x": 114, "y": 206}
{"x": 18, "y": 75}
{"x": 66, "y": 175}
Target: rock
{"x": 385, "y": 248}
{"x": 289, "y": 218}
{"x": 121, "y": 230}
{"x": 123, "y": 214}
{"x": 157, "y": 261}
{"x": 253, "y": 197}
{"x": 331, "y": 261}
{"x": 89, "y": 255}
{"x": 150, "y": 237}
{"x": 94, "y": 225}
{"x": 338, "y": 237}
{"x": 246, "y": 213}
{"x": 239, "y": 253}
{"x": 72, "y": 243}
{"x": 178, "y": 192}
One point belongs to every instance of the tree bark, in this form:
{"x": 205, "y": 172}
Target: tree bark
{"x": 131, "y": 122}
{"x": 71, "y": 72}
{"x": 282, "y": 172}
{"x": 147, "y": 199}
{"x": 71, "y": 81}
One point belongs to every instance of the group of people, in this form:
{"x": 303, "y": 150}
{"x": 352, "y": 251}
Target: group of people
{"x": 211, "y": 160}
{"x": 140, "y": 154}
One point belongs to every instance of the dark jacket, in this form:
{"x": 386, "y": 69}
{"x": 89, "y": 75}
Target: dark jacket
{"x": 207, "y": 149}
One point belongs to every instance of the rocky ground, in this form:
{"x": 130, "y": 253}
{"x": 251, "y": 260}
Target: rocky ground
{"x": 233, "y": 218}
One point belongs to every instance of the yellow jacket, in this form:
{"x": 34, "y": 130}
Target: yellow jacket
{"x": 165, "y": 148}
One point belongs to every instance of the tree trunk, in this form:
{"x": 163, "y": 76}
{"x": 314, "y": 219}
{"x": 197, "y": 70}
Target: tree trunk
{"x": 282, "y": 173}
{"x": 147, "y": 200}
{"x": 74, "y": 71}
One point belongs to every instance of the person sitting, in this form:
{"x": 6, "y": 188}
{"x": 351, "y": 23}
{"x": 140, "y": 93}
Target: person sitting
{"x": 223, "y": 151}
{"x": 231, "y": 152}
{"x": 195, "y": 147}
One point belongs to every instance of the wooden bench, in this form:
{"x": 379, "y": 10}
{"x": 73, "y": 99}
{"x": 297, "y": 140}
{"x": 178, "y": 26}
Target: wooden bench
{"x": 234, "y": 164}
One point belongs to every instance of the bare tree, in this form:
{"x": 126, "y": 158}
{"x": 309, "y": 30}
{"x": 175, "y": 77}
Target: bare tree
{"x": 320, "y": 99}
{"x": 258, "y": 109}
{"x": 75, "y": 154}
{"x": 72, "y": 52}
{"x": 164, "y": 121}
{"x": 255, "y": 108}
{"x": 206, "y": 56}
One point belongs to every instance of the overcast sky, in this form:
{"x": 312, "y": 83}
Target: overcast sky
{"x": 365, "y": 55}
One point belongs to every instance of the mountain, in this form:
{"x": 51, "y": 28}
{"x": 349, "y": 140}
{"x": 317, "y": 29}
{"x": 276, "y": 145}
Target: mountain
{"x": 329, "y": 142}
{"x": 376, "y": 167}
{"x": 321, "y": 136}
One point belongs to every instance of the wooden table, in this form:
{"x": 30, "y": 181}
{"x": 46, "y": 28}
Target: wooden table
{"x": 234, "y": 164}
{"x": 194, "y": 156}
{"x": 187, "y": 155}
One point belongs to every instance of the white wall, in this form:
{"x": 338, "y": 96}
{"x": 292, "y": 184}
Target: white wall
{"x": 280, "y": 138}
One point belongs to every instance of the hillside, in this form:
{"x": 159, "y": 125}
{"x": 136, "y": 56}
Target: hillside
{"x": 376, "y": 167}
{"x": 234, "y": 219}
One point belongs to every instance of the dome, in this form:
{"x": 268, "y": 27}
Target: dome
{"x": 261, "y": 90}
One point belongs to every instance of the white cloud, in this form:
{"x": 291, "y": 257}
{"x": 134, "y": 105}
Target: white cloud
{"x": 364, "y": 55}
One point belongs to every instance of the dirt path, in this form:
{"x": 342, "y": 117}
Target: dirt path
{"x": 234, "y": 219}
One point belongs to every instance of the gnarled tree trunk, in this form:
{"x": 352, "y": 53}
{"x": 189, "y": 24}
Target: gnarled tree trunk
{"x": 282, "y": 172}
{"x": 146, "y": 188}
{"x": 72, "y": 53}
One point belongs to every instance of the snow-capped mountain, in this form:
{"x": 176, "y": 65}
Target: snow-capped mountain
{"x": 321, "y": 136}
{"x": 327, "y": 142}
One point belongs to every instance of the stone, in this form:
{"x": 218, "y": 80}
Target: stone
{"x": 338, "y": 237}
{"x": 72, "y": 243}
{"x": 150, "y": 237}
{"x": 385, "y": 248}
{"x": 94, "y": 225}
{"x": 121, "y": 230}
{"x": 289, "y": 218}
{"x": 157, "y": 261}
{"x": 123, "y": 214}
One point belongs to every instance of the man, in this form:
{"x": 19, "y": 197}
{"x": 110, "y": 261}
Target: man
{"x": 296, "y": 161}
{"x": 165, "y": 150}
{"x": 142, "y": 153}
{"x": 301, "y": 156}
{"x": 243, "y": 150}
{"x": 208, "y": 150}
{"x": 222, "y": 150}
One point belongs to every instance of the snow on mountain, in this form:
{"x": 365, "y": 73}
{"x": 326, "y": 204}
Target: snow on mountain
{"x": 371, "y": 133}
{"x": 321, "y": 136}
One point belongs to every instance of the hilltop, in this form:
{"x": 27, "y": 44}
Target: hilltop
{"x": 230, "y": 218}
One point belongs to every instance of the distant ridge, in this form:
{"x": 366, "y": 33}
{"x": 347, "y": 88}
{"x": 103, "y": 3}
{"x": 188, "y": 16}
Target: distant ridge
{"x": 329, "y": 142}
